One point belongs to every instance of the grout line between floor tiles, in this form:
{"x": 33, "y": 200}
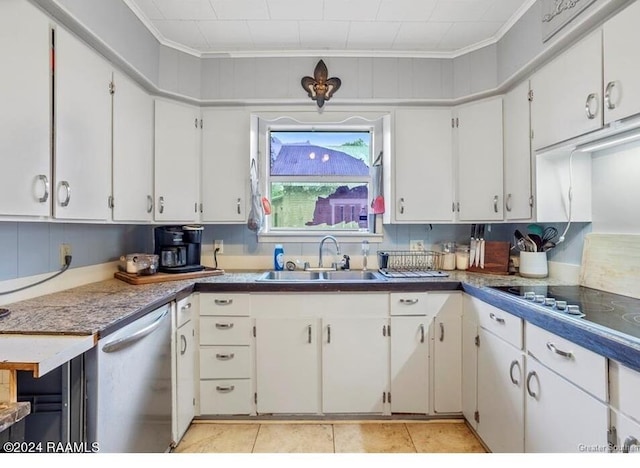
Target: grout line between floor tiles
{"x": 333, "y": 437}
{"x": 411, "y": 438}
{"x": 253, "y": 448}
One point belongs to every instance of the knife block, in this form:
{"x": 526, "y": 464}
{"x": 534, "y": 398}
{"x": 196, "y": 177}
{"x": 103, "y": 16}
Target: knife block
{"x": 496, "y": 259}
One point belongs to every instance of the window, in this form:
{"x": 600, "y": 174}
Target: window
{"x": 319, "y": 177}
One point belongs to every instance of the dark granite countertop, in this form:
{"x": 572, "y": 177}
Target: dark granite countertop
{"x": 100, "y": 308}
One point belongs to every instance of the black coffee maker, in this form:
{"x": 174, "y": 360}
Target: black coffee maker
{"x": 178, "y": 248}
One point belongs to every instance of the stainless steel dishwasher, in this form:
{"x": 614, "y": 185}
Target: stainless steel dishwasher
{"x": 128, "y": 378}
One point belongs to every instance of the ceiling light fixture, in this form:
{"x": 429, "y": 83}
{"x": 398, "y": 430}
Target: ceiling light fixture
{"x": 320, "y": 88}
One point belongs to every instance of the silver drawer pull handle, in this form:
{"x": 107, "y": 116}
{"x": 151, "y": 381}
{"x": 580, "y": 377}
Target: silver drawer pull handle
{"x": 328, "y": 334}
{"x": 149, "y": 203}
{"x": 531, "y": 375}
{"x": 493, "y": 316}
{"x": 223, "y": 301}
{"x": 45, "y": 182}
{"x": 495, "y": 203}
{"x": 402, "y": 206}
{"x": 186, "y": 306}
{"x": 65, "y": 185}
{"x": 225, "y": 389}
{"x": 566, "y": 354}
{"x": 421, "y": 333}
{"x": 441, "y": 331}
{"x": 508, "y": 203}
{"x": 631, "y": 444}
{"x": 309, "y": 334}
{"x": 238, "y": 205}
{"x": 408, "y": 301}
{"x": 511, "y": 367}
{"x": 183, "y": 340}
{"x": 161, "y": 205}
{"x": 224, "y": 326}
{"x": 607, "y": 95}
{"x": 593, "y": 97}
{"x": 225, "y": 357}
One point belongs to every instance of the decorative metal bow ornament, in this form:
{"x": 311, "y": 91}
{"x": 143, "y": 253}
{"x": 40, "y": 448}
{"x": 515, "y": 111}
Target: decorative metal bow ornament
{"x": 320, "y": 88}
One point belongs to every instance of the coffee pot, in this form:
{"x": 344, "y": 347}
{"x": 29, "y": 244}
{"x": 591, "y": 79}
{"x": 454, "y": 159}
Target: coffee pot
{"x": 178, "y": 248}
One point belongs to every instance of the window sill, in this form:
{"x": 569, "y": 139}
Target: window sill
{"x": 314, "y": 237}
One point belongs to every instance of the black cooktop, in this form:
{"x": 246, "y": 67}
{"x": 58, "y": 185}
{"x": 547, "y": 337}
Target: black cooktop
{"x": 618, "y": 313}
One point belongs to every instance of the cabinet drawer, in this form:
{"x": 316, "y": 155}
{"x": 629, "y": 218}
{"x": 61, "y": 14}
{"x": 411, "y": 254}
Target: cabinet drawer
{"x": 225, "y": 304}
{"x": 221, "y": 330}
{"x": 225, "y": 362}
{"x": 185, "y": 309}
{"x": 580, "y": 366}
{"x": 624, "y": 384}
{"x": 408, "y": 303}
{"x": 225, "y": 396}
{"x": 500, "y": 323}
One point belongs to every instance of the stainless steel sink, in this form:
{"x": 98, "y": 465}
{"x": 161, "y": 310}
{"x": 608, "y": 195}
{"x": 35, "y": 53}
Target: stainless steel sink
{"x": 317, "y": 276}
{"x": 290, "y": 276}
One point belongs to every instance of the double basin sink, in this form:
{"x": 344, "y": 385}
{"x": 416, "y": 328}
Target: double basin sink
{"x": 337, "y": 276}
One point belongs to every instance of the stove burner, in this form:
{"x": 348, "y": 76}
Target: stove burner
{"x": 597, "y": 308}
{"x": 632, "y": 317}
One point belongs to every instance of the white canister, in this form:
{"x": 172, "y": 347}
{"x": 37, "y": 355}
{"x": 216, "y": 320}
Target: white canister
{"x": 533, "y": 264}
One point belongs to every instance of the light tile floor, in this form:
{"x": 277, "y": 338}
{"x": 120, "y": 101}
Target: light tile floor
{"x": 449, "y": 436}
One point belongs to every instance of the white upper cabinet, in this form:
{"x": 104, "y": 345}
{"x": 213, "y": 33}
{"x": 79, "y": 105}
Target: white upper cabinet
{"x": 423, "y": 166}
{"x": 25, "y": 103}
{"x": 132, "y": 152}
{"x": 177, "y": 162}
{"x": 82, "y": 161}
{"x": 517, "y": 154}
{"x": 567, "y": 94}
{"x": 225, "y": 165}
{"x": 621, "y": 68}
{"x": 480, "y": 161}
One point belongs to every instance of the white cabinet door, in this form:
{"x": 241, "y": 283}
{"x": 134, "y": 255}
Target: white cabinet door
{"x": 469, "y": 360}
{"x": 25, "y": 100}
{"x": 410, "y": 364}
{"x": 132, "y": 151}
{"x": 185, "y": 382}
{"x": 480, "y": 161}
{"x": 621, "y": 68}
{"x": 517, "y": 154}
{"x": 423, "y": 165}
{"x": 500, "y": 394}
{"x": 355, "y": 364}
{"x": 567, "y": 94}
{"x": 225, "y": 165}
{"x": 176, "y": 162}
{"x": 82, "y": 158}
{"x": 560, "y": 417}
{"x": 288, "y": 365}
{"x": 627, "y": 433}
{"x": 447, "y": 352}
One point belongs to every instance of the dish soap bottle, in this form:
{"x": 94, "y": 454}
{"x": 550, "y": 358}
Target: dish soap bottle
{"x": 278, "y": 258}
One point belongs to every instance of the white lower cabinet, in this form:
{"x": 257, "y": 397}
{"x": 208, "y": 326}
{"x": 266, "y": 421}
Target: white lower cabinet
{"x": 469, "y": 360}
{"x": 447, "y": 352}
{"x": 559, "y": 416}
{"x": 625, "y": 408}
{"x": 410, "y": 364}
{"x": 355, "y": 364}
{"x": 184, "y": 369}
{"x": 288, "y": 365}
{"x": 500, "y": 417}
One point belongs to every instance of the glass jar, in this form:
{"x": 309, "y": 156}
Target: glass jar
{"x": 462, "y": 257}
{"x": 448, "y": 256}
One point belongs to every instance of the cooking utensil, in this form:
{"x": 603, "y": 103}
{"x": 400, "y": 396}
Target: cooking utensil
{"x": 537, "y": 240}
{"x": 535, "y": 229}
{"x": 549, "y": 234}
{"x": 472, "y": 245}
{"x": 548, "y": 245}
{"x": 533, "y": 247}
{"x": 482, "y": 246}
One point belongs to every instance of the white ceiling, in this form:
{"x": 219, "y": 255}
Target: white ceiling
{"x": 338, "y": 27}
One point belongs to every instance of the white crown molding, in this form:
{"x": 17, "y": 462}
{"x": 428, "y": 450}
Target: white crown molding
{"x": 327, "y": 52}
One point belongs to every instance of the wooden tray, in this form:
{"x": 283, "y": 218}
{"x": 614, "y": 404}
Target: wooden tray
{"x": 132, "y": 278}
{"x": 496, "y": 259}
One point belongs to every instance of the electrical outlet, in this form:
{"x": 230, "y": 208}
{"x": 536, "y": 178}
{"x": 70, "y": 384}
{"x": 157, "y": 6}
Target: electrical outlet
{"x": 65, "y": 249}
{"x": 416, "y": 245}
{"x": 218, "y": 244}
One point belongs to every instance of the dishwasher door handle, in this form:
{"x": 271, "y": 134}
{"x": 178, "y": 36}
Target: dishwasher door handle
{"x": 121, "y": 343}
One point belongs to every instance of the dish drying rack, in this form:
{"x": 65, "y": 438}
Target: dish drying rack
{"x": 410, "y": 263}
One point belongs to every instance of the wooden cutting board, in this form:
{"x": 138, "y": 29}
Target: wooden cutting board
{"x": 132, "y": 278}
{"x": 611, "y": 262}
{"x": 496, "y": 259}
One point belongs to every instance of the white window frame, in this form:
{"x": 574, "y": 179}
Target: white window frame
{"x": 262, "y": 125}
